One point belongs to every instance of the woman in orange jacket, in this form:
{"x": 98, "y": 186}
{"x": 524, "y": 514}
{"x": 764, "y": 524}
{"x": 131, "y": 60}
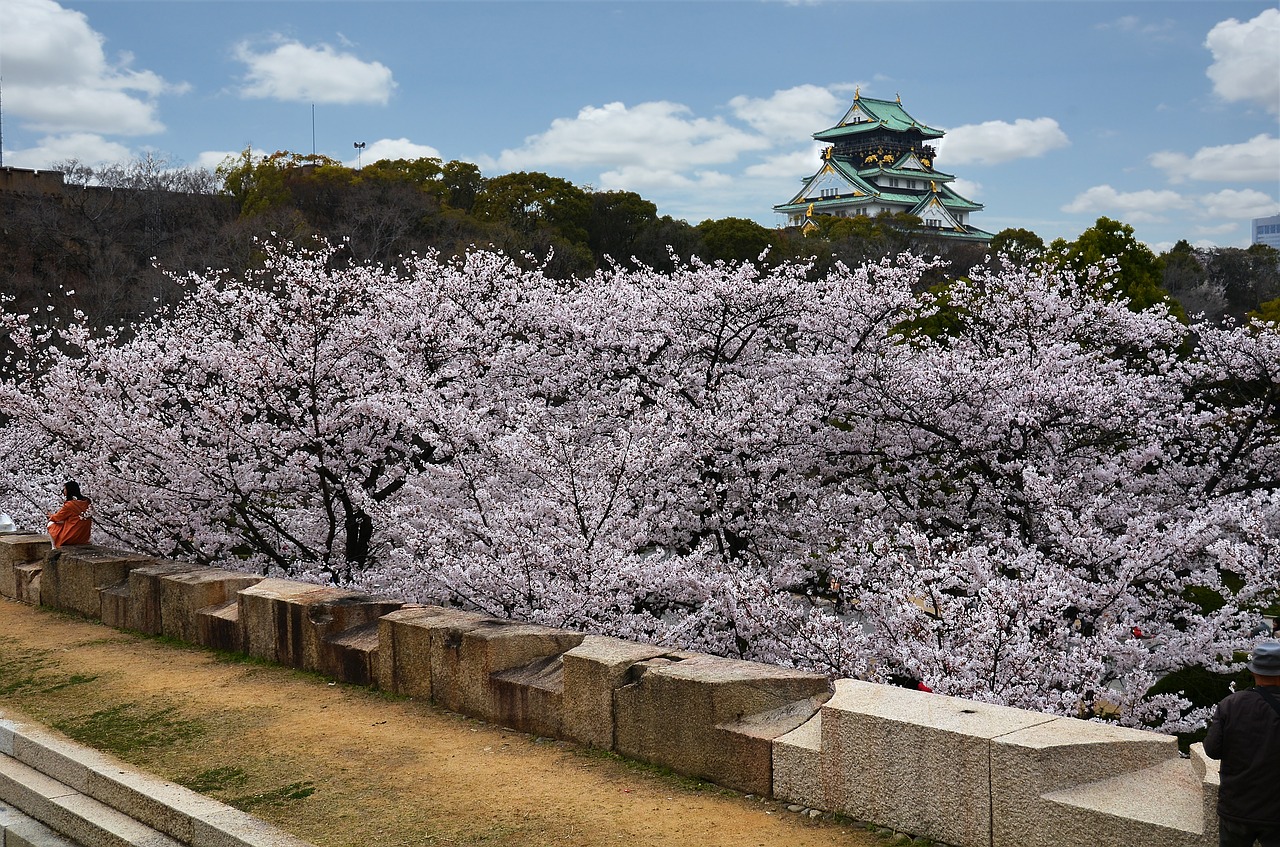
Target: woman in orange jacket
{"x": 71, "y": 523}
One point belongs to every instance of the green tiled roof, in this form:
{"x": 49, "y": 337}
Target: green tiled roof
{"x": 969, "y": 234}
{"x": 954, "y": 201}
{"x": 820, "y": 204}
{"x": 937, "y": 176}
{"x": 886, "y": 114}
{"x": 888, "y": 195}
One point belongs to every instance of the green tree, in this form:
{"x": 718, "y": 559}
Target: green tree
{"x": 733, "y": 239}
{"x": 545, "y": 216}
{"x": 1017, "y": 243}
{"x": 1184, "y": 277}
{"x": 1268, "y": 311}
{"x": 426, "y": 172}
{"x": 852, "y": 240}
{"x": 462, "y": 183}
{"x": 530, "y": 201}
{"x": 1246, "y": 277}
{"x": 1139, "y": 271}
{"x": 617, "y": 220}
{"x": 259, "y": 185}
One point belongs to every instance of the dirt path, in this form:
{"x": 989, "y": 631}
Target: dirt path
{"x": 342, "y": 766}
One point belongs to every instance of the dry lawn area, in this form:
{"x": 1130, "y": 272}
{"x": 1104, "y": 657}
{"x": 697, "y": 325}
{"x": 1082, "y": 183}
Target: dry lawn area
{"x": 343, "y": 766}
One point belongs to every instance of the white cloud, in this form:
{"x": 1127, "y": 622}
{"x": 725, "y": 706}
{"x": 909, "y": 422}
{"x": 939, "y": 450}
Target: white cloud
{"x": 393, "y": 148}
{"x": 1257, "y": 159}
{"x": 58, "y": 78}
{"x": 1217, "y": 229}
{"x": 1246, "y": 59}
{"x": 797, "y": 165}
{"x": 993, "y": 142}
{"x": 74, "y": 108}
{"x": 1155, "y": 30}
{"x": 1145, "y": 206}
{"x": 294, "y": 72}
{"x": 88, "y": 148}
{"x": 1230, "y": 203}
{"x": 658, "y": 135}
{"x": 640, "y": 179}
{"x": 966, "y": 188}
{"x": 211, "y": 159}
{"x": 792, "y": 111}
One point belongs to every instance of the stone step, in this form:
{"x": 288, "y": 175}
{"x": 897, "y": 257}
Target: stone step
{"x": 19, "y": 830}
{"x": 53, "y": 780}
{"x": 70, "y": 813}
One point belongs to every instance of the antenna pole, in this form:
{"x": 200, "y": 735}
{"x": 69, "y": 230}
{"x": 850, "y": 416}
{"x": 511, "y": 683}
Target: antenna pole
{"x": 313, "y": 129}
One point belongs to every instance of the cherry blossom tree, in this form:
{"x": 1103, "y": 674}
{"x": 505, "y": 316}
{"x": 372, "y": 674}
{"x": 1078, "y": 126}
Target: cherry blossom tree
{"x": 1017, "y": 489}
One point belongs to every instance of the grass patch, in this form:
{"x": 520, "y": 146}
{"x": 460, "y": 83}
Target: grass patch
{"x": 228, "y": 657}
{"x": 215, "y": 780}
{"x": 688, "y": 783}
{"x": 74, "y": 679}
{"x": 126, "y": 728}
{"x": 170, "y": 641}
{"x": 276, "y": 797}
{"x": 33, "y": 671}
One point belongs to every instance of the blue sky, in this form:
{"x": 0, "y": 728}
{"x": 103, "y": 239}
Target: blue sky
{"x": 1161, "y": 114}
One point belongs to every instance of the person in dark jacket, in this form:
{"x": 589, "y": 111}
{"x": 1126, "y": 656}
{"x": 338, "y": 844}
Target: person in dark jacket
{"x": 1245, "y": 735}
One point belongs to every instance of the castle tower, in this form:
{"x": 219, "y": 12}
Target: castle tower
{"x": 881, "y": 159}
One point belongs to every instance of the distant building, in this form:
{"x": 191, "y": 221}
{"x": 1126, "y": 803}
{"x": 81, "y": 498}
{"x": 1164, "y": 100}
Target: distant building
{"x": 1267, "y": 231}
{"x": 882, "y": 160}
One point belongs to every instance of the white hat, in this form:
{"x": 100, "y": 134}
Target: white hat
{"x": 6, "y": 524}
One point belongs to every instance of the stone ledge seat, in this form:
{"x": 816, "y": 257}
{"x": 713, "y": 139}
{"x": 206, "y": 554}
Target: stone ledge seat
{"x": 713, "y": 718}
{"x": 969, "y": 773}
{"x": 300, "y": 625}
{"x": 18, "y": 550}
{"x": 134, "y": 603}
{"x": 1160, "y": 804}
{"x": 498, "y": 670}
{"x": 1068, "y": 781}
{"x": 73, "y": 577}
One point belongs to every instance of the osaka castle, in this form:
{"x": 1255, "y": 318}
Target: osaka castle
{"x": 881, "y": 159}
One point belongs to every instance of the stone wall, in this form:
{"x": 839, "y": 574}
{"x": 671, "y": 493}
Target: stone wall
{"x": 960, "y": 772}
